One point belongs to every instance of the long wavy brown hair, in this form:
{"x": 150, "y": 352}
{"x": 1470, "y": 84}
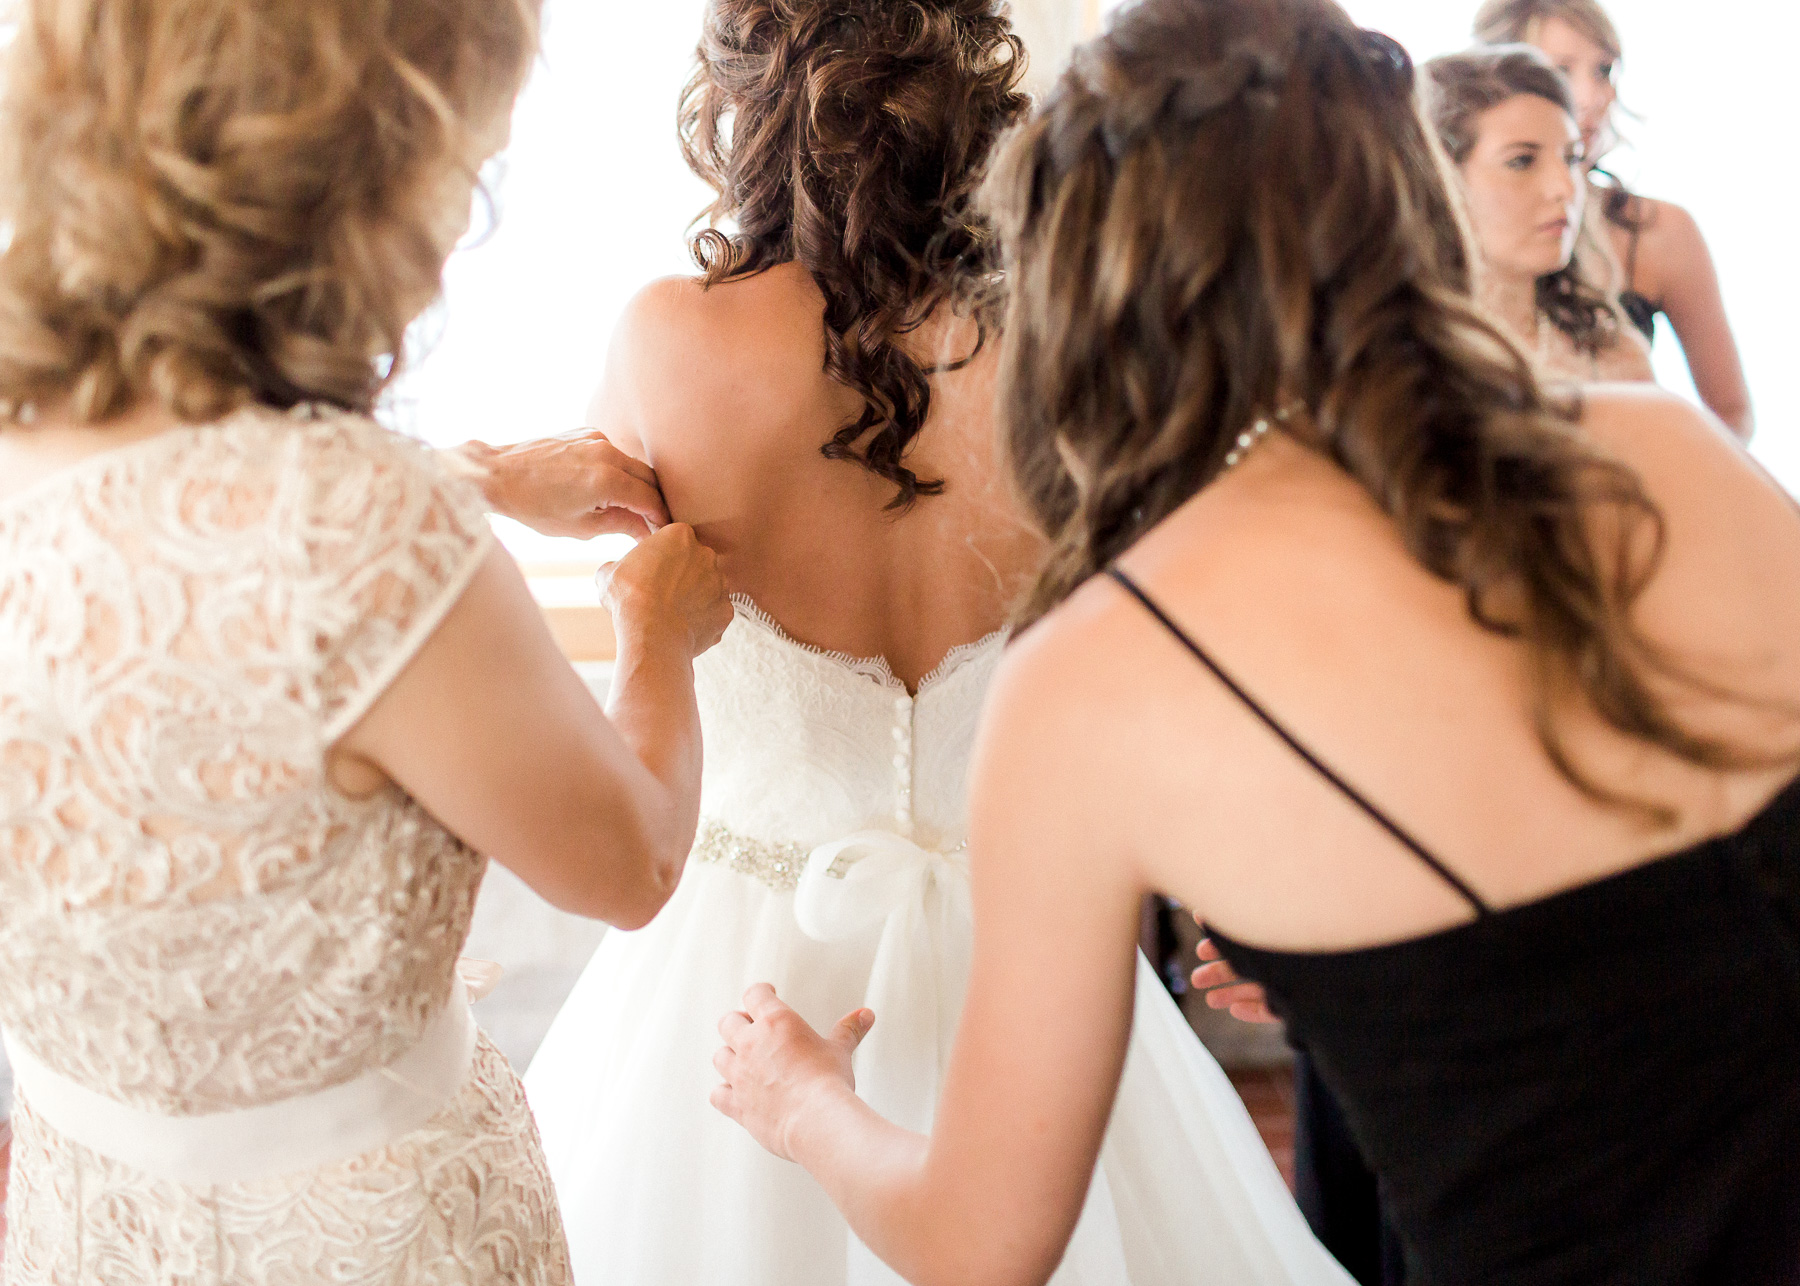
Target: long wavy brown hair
{"x": 849, "y": 136}
{"x": 213, "y": 202}
{"x": 1230, "y": 207}
{"x": 1458, "y": 89}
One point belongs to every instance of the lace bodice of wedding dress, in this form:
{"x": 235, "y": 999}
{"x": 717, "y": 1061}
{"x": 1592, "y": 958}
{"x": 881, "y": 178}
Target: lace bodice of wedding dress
{"x": 192, "y": 919}
{"x": 805, "y": 746}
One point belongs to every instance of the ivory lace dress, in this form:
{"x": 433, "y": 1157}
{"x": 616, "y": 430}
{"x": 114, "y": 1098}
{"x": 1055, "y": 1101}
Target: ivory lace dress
{"x": 831, "y": 863}
{"x": 201, "y": 938}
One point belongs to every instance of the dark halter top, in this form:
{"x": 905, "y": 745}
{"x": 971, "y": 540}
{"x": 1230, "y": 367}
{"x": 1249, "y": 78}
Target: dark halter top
{"x": 1600, "y": 1087}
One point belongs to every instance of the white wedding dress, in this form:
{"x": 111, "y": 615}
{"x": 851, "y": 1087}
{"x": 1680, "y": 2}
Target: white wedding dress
{"x": 830, "y": 863}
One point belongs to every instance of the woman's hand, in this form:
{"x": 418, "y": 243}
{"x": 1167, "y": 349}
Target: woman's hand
{"x": 577, "y": 485}
{"x": 777, "y": 1068}
{"x": 670, "y": 586}
{"x": 1246, "y": 1000}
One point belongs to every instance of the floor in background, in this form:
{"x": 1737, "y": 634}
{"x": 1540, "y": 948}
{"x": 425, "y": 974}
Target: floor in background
{"x": 1269, "y": 1094}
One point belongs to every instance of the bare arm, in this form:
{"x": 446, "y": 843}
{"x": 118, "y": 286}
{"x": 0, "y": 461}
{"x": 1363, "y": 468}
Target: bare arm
{"x": 672, "y": 388}
{"x": 994, "y": 1194}
{"x": 1686, "y": 283}
{"x": 493, "y": 733}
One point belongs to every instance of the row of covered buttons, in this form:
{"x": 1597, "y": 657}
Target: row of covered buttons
{"x": 903, "y": 747}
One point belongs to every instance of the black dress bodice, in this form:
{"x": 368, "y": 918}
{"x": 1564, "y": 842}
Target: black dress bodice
{"x": 1601, "y": 1087}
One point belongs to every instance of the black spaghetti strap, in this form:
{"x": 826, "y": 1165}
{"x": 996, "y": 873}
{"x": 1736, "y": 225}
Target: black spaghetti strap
{"x": 1350, "y": 792}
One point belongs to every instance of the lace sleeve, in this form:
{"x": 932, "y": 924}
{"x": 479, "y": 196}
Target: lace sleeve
{"x": 393, "y": 539}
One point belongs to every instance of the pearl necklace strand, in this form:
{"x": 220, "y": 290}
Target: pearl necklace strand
{"x": 1246, "y": 441}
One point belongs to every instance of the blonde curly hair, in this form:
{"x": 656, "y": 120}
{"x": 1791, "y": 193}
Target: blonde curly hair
{"x": 213, "y": 202}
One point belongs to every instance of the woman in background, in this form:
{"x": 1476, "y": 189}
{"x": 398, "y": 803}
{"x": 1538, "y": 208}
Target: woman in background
{"x": 268, "y": 687}
{"x": 1465, "y": 716}
{"x": 1507, "y": 121}
{"x": 1663, "y": 262}
{"x": 821, "y": 409}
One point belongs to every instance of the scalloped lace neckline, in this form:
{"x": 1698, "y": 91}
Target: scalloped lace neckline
{"x": 874, "y": 668}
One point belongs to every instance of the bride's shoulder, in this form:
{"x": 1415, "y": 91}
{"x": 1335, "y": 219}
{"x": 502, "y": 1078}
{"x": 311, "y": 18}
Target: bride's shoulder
{"x": 754, "y": 330}
{"x": 692, "y": 365}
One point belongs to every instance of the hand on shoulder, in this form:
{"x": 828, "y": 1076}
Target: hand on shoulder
{"x": 579, "y": 485}
{"x": 599, "y": 480}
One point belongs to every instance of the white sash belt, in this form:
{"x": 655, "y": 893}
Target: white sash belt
{"x": 290, "y": 1136}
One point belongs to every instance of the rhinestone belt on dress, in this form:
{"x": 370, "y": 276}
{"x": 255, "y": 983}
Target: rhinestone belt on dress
{"x": 777, "y": 865}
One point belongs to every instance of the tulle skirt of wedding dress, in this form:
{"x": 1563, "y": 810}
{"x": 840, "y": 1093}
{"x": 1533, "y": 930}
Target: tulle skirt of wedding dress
{"x": 659, "y": 1189}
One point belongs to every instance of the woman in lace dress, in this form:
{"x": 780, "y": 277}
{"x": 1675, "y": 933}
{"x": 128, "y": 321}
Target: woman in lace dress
{"x": 267, "y": 686}
{"x": 823, "y": 415}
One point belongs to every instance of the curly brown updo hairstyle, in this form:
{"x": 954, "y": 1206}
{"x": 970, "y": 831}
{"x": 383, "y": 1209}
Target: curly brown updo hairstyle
{"x": 217, "y": 202}
{"x": 1231, "y": 208}
{"x": 1457, "y": 90}
{"x": 849, "y": 136}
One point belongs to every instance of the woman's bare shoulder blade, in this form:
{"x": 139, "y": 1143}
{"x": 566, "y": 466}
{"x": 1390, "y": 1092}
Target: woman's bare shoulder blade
{"x": 1723, "y": 510}
{"x": 687, "y": 359}
{"x": 1648, "y": 427}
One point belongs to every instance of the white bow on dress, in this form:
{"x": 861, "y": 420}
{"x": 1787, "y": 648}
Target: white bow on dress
{"x": 919, "y": 898}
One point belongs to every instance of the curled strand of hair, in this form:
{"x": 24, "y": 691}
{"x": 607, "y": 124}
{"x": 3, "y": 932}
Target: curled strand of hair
{"x": 849, "y": 136}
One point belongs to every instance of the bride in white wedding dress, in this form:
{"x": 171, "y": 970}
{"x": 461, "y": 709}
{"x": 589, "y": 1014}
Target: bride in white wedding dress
{"x": 831, "y": 859}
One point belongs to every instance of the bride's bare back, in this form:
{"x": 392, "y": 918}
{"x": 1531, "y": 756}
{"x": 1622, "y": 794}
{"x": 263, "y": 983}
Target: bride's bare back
{"x": 724, "y": 393}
